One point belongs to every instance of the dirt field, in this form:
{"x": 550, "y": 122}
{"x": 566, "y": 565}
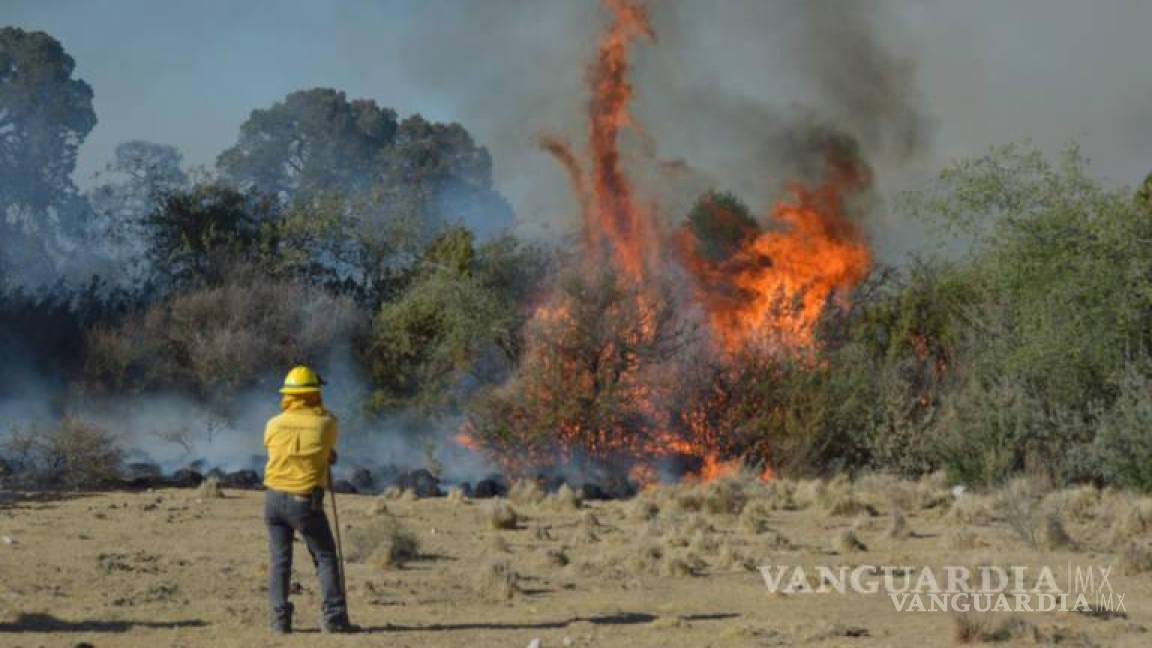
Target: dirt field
{"x": 675, "y": 567}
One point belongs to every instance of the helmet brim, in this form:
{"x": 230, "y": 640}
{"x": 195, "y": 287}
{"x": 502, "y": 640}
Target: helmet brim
{"x": 291, "y": 391}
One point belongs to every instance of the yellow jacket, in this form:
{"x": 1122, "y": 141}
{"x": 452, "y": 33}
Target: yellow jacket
{"x": 299, "y": 443}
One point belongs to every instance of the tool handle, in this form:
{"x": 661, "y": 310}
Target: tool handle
{"x": 339, "y": 542}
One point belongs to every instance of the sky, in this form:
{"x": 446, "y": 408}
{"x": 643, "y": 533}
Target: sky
{"x": 983, "y": 73}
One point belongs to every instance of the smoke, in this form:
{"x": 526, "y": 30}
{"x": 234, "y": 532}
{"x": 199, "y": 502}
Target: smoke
{"x": 861, "y": 83}
{"x": 749, "y": 99}
{"x": 731, "y": 95}
{"x": 174, "y": 430}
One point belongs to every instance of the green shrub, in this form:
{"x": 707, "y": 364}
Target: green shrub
{"x": 1122, "y": 449}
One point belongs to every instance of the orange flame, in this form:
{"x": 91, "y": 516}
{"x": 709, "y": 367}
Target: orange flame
{"x": 612, "y": 218}
{"x": 774, "y": 288}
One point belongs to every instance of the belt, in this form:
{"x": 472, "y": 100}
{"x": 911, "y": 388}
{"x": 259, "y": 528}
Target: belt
{"x": 297, "y": 496}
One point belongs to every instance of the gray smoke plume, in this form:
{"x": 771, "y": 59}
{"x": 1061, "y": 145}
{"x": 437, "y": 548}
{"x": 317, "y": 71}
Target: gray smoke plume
{"x": 753, "y": 95}
{"x": 863, "y": 85}
{"x": 731, "y": 95}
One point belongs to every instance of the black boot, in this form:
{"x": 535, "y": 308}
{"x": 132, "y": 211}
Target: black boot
{"x": 282, "y": 620}
{"x": 338, "y": 624}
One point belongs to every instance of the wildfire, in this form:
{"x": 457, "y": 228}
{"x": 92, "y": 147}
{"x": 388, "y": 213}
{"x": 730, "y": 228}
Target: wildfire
{"x": 773, "y": 285}
{"x": 774, "y": 288}
{"x": 614, "y": 223}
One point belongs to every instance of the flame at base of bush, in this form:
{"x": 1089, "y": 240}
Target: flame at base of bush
{"x": 613, "y": 376}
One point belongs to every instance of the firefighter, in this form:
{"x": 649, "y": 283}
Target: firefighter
{"x": 300, "y": 443}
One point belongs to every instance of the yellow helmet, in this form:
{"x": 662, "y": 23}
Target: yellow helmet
{"x": 301, "y": 380}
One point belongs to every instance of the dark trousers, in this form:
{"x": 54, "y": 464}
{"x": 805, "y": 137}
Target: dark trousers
{"x": 284, "y": 514}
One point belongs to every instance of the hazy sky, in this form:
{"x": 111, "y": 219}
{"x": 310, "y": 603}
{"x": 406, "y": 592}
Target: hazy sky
{"x": 986, "y": 71}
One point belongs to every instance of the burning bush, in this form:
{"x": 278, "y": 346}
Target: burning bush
{"x": 588, "y": 385}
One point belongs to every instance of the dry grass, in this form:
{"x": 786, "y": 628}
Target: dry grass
{"x": 779, "y": 494}
{"x": 552, "y": 557}
{"x": 1130, "y": 517}
{"x": 642, "y": 510}
{"x": 380, "y": 507}
{"x": 932, "y": 491}
{"x": 809, "y": 493}
{"x": 210, "y": 489}
{"x": 590, "y": 521}
{"x": 754, "y": 519}
{"x": 676, "y": 566}
{"x": 724, "y": 497}
{"x": 498, "y": 544}
{"x": 774, "y": 539}
{"x": 392, "y": 493}
{"x": 1054, "y": 536}
{"x": 384, "y": 544}
{"x": 848, "y": 505}
{"x": 542, "y": 532}
{"x": 685, "y": 501}
{"x": 497, "y": 581}
{"x": 500, "y": 515}
{"x": 1135, "y": 558}
{"x": 565, "y": 499}
{"x": 1079, "y": 503}
{"x": 732, "y": 559}
{"x": 1022, "y": 503}
{"x": 704, "y": 542}
{"x": 972, "y": 628}
{"x": 584, "y": 534}
{"x": 646, "y": 558}
{"x": 885, "y": 488}
{"x": 456, "y": 496}
{"x": 973, "y": 509}
{"x": 684, "y": 564}
{"x": 848, "y": 542}
{"x": 962, "y": 539}
{"x": 525, "y": 492}
{"x": 898, "y": 525}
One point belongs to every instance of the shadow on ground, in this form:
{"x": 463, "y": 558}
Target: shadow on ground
{"x": 623, "y": 618}
{"x": 48, "y": 623}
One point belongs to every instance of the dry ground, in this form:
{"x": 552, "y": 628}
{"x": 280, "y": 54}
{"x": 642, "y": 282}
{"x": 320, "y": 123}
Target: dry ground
{"x": 672, "y": 568}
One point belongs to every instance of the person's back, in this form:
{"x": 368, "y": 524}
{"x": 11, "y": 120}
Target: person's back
{"x": 299, "y": 442}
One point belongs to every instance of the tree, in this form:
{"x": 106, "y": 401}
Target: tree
{"x": 1055, "y": 316}
{"x": 455, "y": 326}
{"x": 1144, "y": 193}
{"x": 195, "y": 235}
{"x": 45, "y": 114}
{"x": 146, "y": 172}
{"x": 438, "y": 170}
{"x": 720, "y": 222}
{"x": 315, "y": 140}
